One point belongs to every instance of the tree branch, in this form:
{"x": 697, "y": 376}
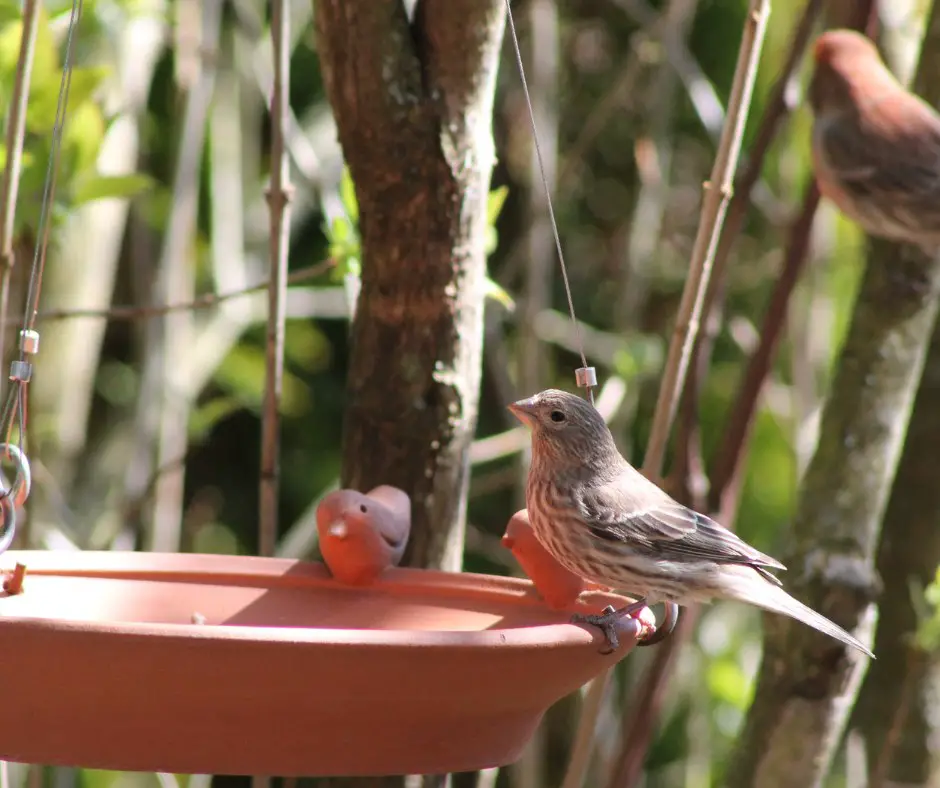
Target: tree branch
{"x": 717, "y": 193}
{"x": 732, "y": 453}
{"x": 909, "y": 553}
{"x": 413, "y": 104}
{"x": 714, "y": 206}
{"x": 806, "y": 682}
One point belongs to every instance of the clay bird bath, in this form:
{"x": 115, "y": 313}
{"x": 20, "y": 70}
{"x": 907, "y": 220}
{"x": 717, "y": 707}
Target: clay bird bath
{"x": 242, "y": 665}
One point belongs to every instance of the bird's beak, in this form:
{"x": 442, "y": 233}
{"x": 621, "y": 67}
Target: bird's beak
{"x": 524, "y": 410}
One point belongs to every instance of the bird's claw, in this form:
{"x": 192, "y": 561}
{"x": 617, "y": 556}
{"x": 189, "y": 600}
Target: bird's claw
{"x": 607, "y": 620}
{"x": 665, "y": 628}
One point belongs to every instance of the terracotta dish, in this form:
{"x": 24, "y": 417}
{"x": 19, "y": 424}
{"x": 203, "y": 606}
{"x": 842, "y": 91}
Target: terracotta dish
{"x": 243, "y": 665}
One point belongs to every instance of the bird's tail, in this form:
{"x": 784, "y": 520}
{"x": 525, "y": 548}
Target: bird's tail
{"x": 755, "y": 590}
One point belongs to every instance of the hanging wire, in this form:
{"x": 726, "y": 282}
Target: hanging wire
{"x": 585, "y": 376}
{"x": 52, "y": 172}
{"x": 21, "y": 368}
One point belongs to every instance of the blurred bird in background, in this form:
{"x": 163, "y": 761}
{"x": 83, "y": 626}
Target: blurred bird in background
{"x": 876, "y": 147}
{"x": 604, "y": 521}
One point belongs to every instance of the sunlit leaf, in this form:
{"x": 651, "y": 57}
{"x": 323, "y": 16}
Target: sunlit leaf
{"x": 306, "y": 347}
{"x": 82, "y": 137}
{"x": 498, "y": 294}
{"x": 347, "y": 193}
{"x": 26, "y": 158}
{"x": 204, "y": 417}
{"x": 728, "y": 683}
{"x": 44, "y": 99}
{"x": 242, "y": 373}
{"x": 494, "y": 203}
{"x": 99, "y": 187}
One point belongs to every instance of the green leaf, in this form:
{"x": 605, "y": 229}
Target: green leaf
{"x": 347, "y": 193}
{"x": 491, "y": 241}
{"x": 926, "y": 604}
{"x": 494, "y": 203}
{"x": 494, "y": 291}
{"x": 728, "y": 682}
{"x": 26, "y": 158}
{"x": 242, "y": 374}
{"x": 98, "y": 778}
{"x": 100, "y": 187}
{"x": 339, "y": 231}
{"x": 306, "y": 347}
{"x": 204, "y": 418}
{"x": 44, "y": 99}
{"x": 345, "y": 248}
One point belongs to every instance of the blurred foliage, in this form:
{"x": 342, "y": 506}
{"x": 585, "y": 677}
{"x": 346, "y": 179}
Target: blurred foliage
{"x": 631, "y": 303}
{"x": 927, "y": 603}
{"x": 81, "y": 136}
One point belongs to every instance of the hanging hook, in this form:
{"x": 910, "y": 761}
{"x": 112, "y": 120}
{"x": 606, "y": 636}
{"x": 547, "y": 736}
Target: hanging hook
{"x": 7, "y": 522}
{"x": 22, "y": 481}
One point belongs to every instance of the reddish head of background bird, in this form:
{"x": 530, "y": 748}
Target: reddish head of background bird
{"x": 876, "y": 146}
{"x": 847, "y": 65}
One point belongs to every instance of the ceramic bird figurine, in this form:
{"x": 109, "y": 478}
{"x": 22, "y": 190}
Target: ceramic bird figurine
{"x": 558, "y": 586}
{"x": 361, "y": 535}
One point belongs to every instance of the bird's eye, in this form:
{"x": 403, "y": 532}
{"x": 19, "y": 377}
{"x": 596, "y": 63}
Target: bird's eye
{"x": 557, "y": 416}
{"x": 362, "y": 508}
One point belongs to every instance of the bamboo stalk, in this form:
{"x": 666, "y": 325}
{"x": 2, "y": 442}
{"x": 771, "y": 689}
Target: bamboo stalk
{"x": 279, "y": 196}
{"x": 714, "y": 205}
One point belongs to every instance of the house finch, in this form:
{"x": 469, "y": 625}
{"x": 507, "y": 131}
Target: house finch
{"x": 876, "y": 147}
{"x": 362, "y": 535}
{"x": 606, "y": 522}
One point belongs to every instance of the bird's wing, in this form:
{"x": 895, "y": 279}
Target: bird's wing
{"x": 904, "y": 182}
{"x": 632, "y": 510}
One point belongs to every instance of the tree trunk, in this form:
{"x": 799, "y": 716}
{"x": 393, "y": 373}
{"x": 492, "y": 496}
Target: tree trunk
{"x": 892, "y": 712}
{"x": 413, "y": 100}
{"x": 806, "y": 683}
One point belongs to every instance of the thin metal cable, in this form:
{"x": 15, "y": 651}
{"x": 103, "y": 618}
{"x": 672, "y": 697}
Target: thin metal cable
{"x": 14, "y": 409}
{"x": 52, "y": 171}
{"x": 548, "y": 194}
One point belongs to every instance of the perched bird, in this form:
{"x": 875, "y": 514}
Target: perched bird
{"x": 606, "y": 522}
{"x": 361, "y": 535}
{"x": 876, "y": 147}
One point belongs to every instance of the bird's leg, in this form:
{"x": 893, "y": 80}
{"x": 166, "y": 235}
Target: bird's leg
{"x": 606, "y": 621}
{"x": 665, "y": 628}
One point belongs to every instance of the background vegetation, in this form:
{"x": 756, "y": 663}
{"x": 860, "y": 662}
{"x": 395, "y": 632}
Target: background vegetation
{"x": 162, "y": 200}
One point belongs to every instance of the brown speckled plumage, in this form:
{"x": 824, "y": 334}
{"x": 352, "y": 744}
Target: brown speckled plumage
{"x": 602, "y": 519}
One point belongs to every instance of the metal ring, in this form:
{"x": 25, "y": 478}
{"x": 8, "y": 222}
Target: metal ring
{"x": 23, "y": 481}
{"x": 7, "y": 522}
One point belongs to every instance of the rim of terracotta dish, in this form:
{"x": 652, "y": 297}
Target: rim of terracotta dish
{"x": 197, "y": 569}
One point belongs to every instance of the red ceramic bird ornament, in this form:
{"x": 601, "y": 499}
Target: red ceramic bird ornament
{"x": 361, "y": 535}
{"x": 558, "y": 586}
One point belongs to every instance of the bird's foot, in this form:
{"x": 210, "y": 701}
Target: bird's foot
{"x": 607, "y": 620}
{"x": 665, "y": 628}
